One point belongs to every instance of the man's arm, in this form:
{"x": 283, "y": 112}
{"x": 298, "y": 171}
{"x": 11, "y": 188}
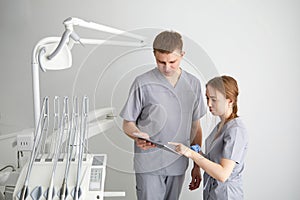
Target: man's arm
{"x": 132, "y": 130}
{"x": 196, "y": 133}
{"x": 196, "y": 138}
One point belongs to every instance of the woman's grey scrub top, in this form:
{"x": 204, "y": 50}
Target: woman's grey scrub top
{"x": 232, "y": 143}
{"x": 165, "y": 113}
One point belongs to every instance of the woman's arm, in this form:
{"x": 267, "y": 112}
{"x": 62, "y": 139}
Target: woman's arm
{"x": 221, "y": 171}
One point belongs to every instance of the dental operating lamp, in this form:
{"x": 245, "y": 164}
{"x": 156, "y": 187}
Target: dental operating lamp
{"x": 53, "y": 53}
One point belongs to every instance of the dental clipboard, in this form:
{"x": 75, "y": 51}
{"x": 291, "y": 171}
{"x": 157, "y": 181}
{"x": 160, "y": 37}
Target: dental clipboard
{"x": 160, "y": 145}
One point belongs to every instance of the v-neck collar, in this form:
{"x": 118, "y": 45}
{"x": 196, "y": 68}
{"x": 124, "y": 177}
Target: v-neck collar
{"x": 164, "y": 79}
{"x": 214, "y": 140}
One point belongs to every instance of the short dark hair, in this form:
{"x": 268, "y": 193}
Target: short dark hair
{"x": 167, "y": 42}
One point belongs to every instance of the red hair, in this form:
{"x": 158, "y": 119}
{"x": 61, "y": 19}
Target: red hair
{"x": 229, "y": 88}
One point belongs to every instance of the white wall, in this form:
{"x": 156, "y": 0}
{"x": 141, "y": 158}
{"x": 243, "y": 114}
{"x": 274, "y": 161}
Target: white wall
{"x": 257, "y": 42}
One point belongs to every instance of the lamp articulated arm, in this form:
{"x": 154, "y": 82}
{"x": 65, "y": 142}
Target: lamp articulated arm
{"x": 46, "y": 52}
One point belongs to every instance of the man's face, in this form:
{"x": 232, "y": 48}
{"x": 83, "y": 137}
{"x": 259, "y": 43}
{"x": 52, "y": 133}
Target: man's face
{"x": 168, "y": 63}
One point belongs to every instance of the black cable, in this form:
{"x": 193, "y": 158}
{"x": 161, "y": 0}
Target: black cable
{"x": 13, "y": 168}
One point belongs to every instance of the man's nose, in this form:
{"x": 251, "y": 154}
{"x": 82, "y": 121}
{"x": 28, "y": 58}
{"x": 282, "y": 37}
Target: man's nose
{"x": 167, "y": 66}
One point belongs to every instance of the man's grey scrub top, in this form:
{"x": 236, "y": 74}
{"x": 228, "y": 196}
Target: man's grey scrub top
{"x": 166, "y": 114}
{"x": 232, "y": 143}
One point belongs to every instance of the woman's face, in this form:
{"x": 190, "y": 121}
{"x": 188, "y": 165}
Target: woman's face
{"x": 217, "y": 103}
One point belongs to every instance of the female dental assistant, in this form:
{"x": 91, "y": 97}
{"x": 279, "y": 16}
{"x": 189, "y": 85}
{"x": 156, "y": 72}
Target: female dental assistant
{"x": 226, "y": 146}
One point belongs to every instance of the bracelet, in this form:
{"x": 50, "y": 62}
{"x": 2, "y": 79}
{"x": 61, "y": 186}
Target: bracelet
{"x": 196, "y": 148}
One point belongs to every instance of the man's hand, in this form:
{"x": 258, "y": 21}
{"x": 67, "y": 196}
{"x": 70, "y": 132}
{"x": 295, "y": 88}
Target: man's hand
{"x": 143, "y": 144}
{"x": 196, "y": 178}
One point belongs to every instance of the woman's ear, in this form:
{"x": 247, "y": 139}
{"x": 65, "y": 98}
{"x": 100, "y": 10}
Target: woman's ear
{"x": 230, "y": 103}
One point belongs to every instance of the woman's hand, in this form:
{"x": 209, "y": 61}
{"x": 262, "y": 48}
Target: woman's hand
{"x": 182, "y": 149}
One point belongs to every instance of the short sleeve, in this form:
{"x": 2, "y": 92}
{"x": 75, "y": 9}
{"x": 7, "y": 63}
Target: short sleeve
{"x": 235, "y": 144}
{"x": 133, "y": 105}
{"x": 199, "y": 106}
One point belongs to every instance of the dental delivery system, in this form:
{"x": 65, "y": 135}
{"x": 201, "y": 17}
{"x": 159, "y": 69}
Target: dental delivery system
{"x": 60, "y": 165}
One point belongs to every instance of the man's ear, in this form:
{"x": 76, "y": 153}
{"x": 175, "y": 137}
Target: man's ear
{"x": 182, "y": 53}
